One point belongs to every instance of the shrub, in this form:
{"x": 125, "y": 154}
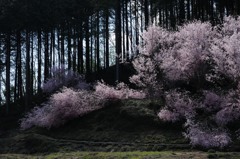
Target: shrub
{"x": 62, "y": 106}
{"x": 178, "y": 106}
{"x": 230, "y": 110}
{"x": 120, "y": 92}
{"x": 62, "y": 77}
{"x": 208, "y": 138}
{"x": 69, "y": 104}
{"x": 212, "y": 112}
{"x": 212, "y": 102}
{"x": 225, "y": 49}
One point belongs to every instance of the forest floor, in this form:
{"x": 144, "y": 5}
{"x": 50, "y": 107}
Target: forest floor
{"x": 126, "y": 129}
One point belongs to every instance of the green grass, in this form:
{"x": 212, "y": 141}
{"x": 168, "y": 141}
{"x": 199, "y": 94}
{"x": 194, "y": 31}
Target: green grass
{"x": 128, "y": 155}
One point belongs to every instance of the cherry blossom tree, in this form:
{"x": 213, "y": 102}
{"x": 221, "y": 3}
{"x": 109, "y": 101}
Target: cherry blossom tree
{"x": 230, "y": 108}
{"x": 225, "y": 49}
{"x": 201, "y": 135}
{"x": 155, "y": 40}
{"x": 182, "y": 55}
{"x": 188, "y": 57}
{"x": 61, "y": 107}
{"x": 196, "y": 54}
{"x": 200, "y": 117}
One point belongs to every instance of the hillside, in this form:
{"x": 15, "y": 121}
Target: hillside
{"x": 121, "y": 126}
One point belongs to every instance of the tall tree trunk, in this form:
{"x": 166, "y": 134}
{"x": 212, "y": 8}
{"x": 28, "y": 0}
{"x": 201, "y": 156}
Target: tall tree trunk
{"x": 32, "y": 64}
{"x": 39, "y": 60}
{"x": 51, "y": 52}
{"x": 8, "y": 54}
{"x": 62, "y": 46}
{"x": 107, "y": 38}
{"x": 1, "y": 69}
{"x": 160, "y": 16}
{"x": 146, "y": 12}
{"x": 19, "y": 62}
{"x": 118, "y": 36}
{"x": 211, "y": 11}
{"x": 28, "y": 73}
{"x": 74, "y": 49}
{"x": 142, "y": 28}
{"x": 188, "y": 10}
{"x": 15, "y": 95}
{"x": 166, "y": 16}
{"x": 95, "y": 52}
{"x": 98, "y": 42}
{"x": 18, "y": 83}
{"x": 182, "y": 11}
{"x": 69, "y": 47}
{"x": 53, "y": 65}
{"x": 123, "y": 33}
{"x": 46, "y": 62}
{"x": 80, "y": 49}
{"x": 91, "y": 44}
{"x": 131, "y": 27}
{"x": 87, "y": 49}
{"x": 193, "y": 9}
{"x": 59, "y": 47}
{"x": 237, "y": 5}
{"x": 172, "y": 17}
{"x": 127, "y": 31}
{"x": 136, "y": 26}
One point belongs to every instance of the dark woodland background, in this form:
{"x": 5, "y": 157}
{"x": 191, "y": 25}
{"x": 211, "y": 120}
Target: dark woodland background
{"x": 86, "y": 36}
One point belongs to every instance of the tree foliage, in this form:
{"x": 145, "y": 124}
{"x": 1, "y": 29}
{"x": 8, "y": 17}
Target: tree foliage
{"x": 195, "y": 55}
{"x": 61, "y": 107}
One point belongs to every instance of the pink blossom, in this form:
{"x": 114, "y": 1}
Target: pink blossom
{"x": 204, "y": 137}
{"x": 189, "y": 53}
{"x": 178, "y": 106}
{"x": 120, "y": 92}
{"x": 62, "y": 107}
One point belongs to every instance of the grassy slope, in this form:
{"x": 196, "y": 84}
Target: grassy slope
{"x": 130, "y": 125}
{"x": 121, "y": 126}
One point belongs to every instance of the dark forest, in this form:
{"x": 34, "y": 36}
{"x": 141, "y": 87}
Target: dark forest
{"x": 84, "y": 36}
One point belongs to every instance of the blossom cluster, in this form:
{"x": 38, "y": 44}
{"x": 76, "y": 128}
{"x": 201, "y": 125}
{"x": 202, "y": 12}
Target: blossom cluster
{"x": 61, "y": 107}
{"x": 71, "y": 103}
{"x": 183, "y": 63}
{"x": 121, "y": 91}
